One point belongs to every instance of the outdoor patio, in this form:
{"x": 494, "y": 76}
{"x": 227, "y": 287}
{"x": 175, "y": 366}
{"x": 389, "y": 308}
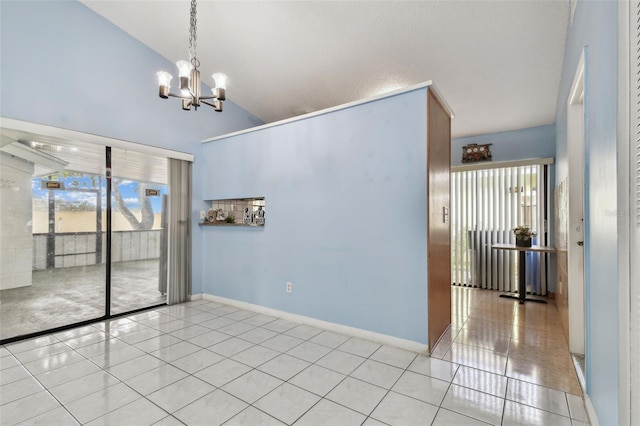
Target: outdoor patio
{"x": 64, "y": 296}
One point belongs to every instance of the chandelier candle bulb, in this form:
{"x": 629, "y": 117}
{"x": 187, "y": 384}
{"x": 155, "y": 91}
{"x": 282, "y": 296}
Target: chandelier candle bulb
{"x": 184, "y": 68}
{"x": 184, "y": 72}
{"x": 164, "y": 81}
{"x": 218, "y": 93}
{"x": 220, "y": 81}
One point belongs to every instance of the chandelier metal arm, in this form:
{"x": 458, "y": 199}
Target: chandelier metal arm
{"x": 190, "y": 96}
{"x": 217, "y": 104}
{"x": 173, "y": 95}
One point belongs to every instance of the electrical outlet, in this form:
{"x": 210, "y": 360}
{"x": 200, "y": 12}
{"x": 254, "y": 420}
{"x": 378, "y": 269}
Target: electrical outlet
{"x": 202, "y": 214}
{"x": 289, "y": 287}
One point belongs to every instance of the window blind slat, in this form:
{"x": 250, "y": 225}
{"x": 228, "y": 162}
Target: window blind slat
{"x": 634, "y": 237}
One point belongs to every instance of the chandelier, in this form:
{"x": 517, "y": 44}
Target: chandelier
{"x": 189, "y": 77}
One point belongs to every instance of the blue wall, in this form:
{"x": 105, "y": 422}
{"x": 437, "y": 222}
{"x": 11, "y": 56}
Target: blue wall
{"x": 534, "y": 142}
{"x": 64, "y": 65}
{"x": 345, "y": 217}
{"x": 595, "y": 28}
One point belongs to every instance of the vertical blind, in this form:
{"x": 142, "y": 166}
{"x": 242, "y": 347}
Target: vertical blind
{"x": 179, "y": 239}
{"x": 485, "y": 206}
{"x": 634, "y": 136}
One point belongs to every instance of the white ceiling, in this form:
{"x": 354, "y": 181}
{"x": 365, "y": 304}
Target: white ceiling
{"x": 497, "y": 63}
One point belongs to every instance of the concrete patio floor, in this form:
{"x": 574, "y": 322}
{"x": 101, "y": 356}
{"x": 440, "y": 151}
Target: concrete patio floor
{"x": 65, "y": 296}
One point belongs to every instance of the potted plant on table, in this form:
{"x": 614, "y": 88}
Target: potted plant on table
{"x": 524, "y": 235}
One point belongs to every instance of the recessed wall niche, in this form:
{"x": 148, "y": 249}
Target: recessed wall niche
{"x": 236, "y": 212}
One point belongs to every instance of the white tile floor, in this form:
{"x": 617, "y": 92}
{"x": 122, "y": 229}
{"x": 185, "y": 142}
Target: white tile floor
{"x": 203, "y": 363}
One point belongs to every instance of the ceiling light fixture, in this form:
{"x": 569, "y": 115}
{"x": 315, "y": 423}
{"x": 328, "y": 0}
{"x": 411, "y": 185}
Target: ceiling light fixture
{"x": 189, "y": 77}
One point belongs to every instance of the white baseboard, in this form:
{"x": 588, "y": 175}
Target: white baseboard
{"x": 383, "y": 339}
{"x": 197, "y": 296}
{"x": 591, "y": 411}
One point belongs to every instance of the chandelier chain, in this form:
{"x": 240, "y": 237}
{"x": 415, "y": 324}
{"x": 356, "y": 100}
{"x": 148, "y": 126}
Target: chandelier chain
{"x": 193, "y": 35}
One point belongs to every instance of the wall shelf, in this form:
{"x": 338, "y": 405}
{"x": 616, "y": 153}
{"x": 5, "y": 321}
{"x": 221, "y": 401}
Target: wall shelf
{"x": 247, "y": 212}
{"x": 229, "y": 224}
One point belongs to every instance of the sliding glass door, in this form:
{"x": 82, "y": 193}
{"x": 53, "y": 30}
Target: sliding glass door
{"x": 138, "y": 188}
{"x": 52, "y": 239}
{"x": 65, "y": 257}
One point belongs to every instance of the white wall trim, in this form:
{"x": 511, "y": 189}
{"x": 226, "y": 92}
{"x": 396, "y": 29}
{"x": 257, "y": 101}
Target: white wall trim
{"x": 502, "y": 164}
{"x": 338, "y": 108}
{"x": 66, "y": 134}
{"x": 337, "y": 328}
{"x": 197, "y": 296}
{"x": 591, "y": 411}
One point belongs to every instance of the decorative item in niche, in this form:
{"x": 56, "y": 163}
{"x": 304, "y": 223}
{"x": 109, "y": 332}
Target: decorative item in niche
{"x": 475, "y": 152}
{"x": 236, "y": 212}
{"x": 259, "y": 216}
{"x": 211, "y": 216}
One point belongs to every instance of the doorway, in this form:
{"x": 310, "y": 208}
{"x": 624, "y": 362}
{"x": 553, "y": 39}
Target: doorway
{"x": 137, "y": 230}
{"x": 575, "y": 216}
{"x": 488, "y": 201}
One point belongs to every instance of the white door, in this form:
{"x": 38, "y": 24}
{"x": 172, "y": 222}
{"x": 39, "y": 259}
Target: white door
{"x": 575, "y": 231}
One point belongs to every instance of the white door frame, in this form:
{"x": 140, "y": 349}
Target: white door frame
{"x": 575, "y": 234}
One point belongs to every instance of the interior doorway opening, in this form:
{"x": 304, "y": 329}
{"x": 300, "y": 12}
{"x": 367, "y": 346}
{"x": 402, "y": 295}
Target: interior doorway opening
{"x": 570, "y": 220}
{"x": 487, "y": 204}
{"x": 575, "y": 237}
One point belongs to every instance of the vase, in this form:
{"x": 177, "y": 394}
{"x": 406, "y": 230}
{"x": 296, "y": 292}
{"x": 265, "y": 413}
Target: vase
{"x": 523, "y": 243}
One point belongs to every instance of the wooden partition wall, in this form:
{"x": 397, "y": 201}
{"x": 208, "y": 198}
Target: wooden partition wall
{"x": 438, "y": 224}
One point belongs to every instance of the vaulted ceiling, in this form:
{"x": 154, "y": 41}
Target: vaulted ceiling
{"x": 497, "y": 63}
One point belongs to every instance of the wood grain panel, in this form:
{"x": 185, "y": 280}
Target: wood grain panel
{"x": 438, "y": 231}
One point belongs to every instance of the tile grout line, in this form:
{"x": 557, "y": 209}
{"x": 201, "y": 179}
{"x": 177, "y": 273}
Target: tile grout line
{"x": 182, "y": 339}
{"x": 445, "y": 394}
{"x": 46, "y": 389}
{"x": 256, "y": 368}
{"x": 368, "y": 416}
{"x": 252, "y": 368}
